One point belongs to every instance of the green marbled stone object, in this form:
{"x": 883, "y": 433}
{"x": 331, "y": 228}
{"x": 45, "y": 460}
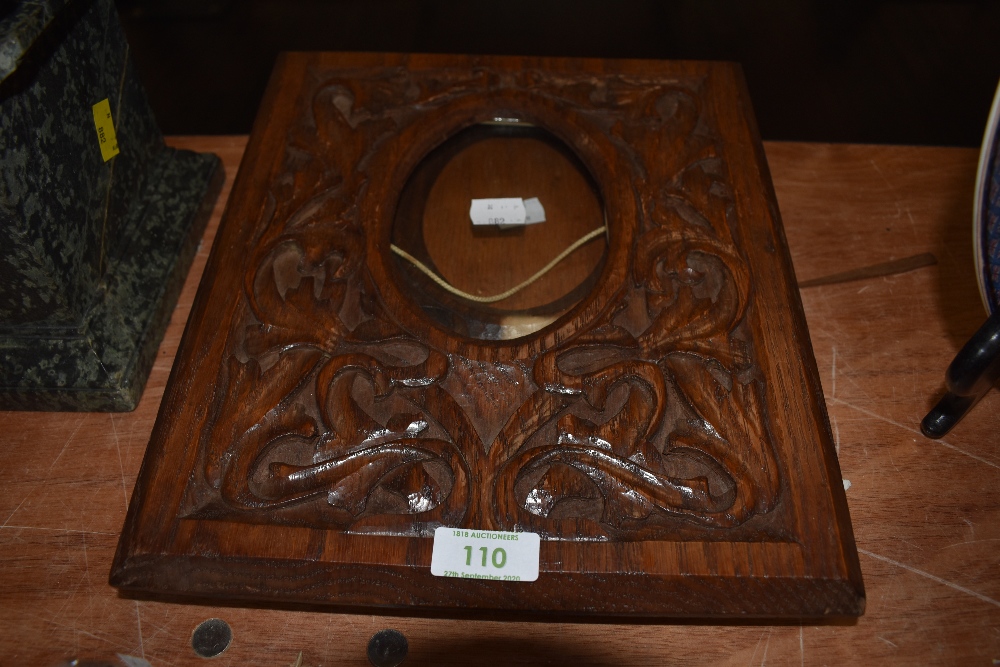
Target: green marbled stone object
{"x": 92, "y": 253}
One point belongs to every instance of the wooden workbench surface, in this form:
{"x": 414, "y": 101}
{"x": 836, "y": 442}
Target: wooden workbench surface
{"x": 926, "y": 514}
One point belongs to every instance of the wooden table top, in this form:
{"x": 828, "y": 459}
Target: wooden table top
{"x": 926, "y": 513}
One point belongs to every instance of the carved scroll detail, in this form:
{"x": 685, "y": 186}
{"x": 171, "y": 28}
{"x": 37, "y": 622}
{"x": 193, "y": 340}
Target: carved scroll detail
{"x": 333, "y": 414}
{"x": 679, "y": 385}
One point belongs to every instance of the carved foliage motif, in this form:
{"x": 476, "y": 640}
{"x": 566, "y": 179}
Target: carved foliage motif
{"x": 334, "y": 415}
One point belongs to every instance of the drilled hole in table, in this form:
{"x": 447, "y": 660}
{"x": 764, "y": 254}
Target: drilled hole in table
{"x": 211, "y": 638}
{"x": 387, "y": 648}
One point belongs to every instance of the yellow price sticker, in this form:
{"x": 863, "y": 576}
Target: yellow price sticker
{"x": 105, "y": 129}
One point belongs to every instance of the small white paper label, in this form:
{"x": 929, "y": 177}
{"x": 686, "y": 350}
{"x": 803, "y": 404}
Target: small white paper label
{"x": 485, "y": 554}
{"x": 534, "y": 212}
{"x": 496, "y": 212}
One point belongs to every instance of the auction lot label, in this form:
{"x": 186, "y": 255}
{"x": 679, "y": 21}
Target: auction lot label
{"x": 485, "y": 554}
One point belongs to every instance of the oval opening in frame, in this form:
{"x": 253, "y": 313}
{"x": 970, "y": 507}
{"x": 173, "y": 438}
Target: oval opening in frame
{"x": 433, "y": 228}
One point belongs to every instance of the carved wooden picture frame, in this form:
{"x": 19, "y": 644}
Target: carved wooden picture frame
{"x": 666, "y": 436}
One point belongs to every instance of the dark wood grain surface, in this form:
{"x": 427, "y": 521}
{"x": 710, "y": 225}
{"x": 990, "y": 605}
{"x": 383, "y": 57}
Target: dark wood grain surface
{"x": 665, "y": 435}
{"x": 925, "y": 513}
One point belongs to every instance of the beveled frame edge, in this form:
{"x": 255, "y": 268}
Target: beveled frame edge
{"x": 327, "y": 585}
{"x": 804, "y": 361}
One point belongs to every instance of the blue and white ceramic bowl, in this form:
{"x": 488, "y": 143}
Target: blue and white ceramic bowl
{"x": 987, "y": 212}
